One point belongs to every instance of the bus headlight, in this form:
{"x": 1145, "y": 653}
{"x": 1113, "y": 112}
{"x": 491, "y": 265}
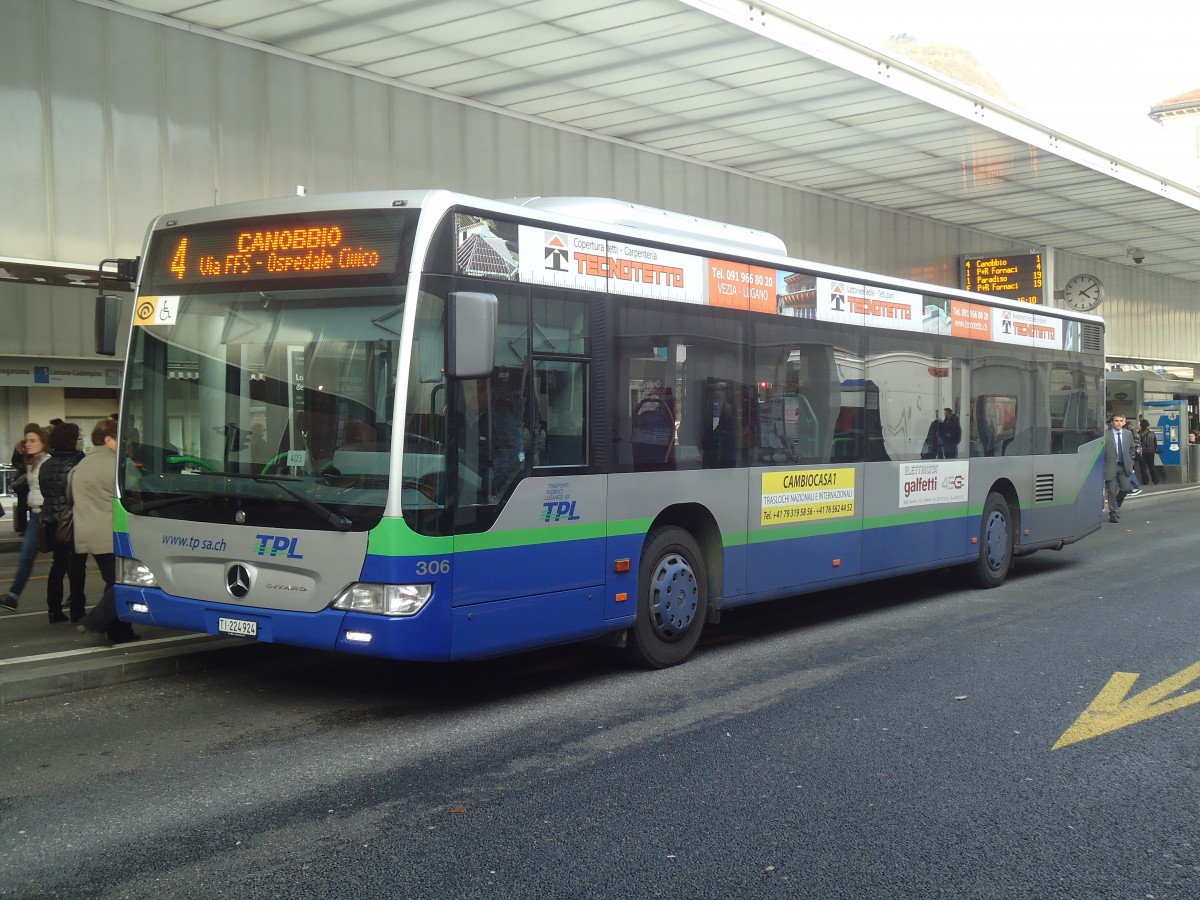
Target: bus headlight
{"x": 135, "y": 572}
{"x": 384, "y": 599}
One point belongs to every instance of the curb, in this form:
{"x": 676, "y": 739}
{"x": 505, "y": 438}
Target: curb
{"x": 28, "y": 679}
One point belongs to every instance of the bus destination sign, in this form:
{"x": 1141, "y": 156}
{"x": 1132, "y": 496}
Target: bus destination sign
{"x": 1017, "y": 277}
{"x": 278, "y": 248}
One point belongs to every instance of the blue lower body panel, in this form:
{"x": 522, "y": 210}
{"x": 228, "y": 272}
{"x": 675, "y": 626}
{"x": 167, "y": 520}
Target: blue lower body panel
{"x": 425, "y": 636}
{"x": 815, "y": 562}
{"x": 506, "y": 626}
{"x": 789, "y": 566}
{"x": 937, "y": 542}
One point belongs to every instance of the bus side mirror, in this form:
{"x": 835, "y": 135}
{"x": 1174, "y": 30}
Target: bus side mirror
{"x": 108, "y": 318}
{"x": 471, "y": 331}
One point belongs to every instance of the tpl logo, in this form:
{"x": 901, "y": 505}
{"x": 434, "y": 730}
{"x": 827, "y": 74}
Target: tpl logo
{"x": 273, "y": 545}
{"x": 558, "y": 510}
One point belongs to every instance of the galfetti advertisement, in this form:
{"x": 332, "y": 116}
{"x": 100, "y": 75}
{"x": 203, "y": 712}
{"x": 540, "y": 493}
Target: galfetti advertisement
{"x": 932, "y": 482}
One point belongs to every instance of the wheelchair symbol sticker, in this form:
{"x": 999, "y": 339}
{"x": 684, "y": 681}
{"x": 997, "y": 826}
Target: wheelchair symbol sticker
{"x": 156, "y": 310}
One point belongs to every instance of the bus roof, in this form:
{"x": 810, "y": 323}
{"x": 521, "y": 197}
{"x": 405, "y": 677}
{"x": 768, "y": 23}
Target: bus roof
{"x": 628, "y": 220}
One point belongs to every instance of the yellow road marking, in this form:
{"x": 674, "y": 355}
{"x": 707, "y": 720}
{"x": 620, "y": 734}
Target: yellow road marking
{"x": 1113, "y": 708}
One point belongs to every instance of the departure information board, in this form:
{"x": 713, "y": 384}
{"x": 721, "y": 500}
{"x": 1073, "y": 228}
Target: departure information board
{"x": 1017, "y": 277}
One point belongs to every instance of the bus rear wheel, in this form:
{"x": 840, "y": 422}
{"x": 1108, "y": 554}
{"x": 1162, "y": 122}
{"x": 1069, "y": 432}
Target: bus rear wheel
{"x": 995, "y": 543}
{"x": 672, "y": 599}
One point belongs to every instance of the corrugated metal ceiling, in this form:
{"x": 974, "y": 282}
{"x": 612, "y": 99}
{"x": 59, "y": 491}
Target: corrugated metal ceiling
{"x": 747, "y": 87}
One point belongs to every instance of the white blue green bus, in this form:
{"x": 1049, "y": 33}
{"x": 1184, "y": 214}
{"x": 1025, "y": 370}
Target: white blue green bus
{"x": 430, "y": 426}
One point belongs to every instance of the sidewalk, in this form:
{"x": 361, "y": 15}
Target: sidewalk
{"x": 40, "y": 660}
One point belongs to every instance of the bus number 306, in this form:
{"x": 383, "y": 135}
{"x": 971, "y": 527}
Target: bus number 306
{"x": 433, "y": 567}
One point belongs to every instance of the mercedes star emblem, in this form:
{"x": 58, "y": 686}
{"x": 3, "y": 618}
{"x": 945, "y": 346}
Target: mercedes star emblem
{"x": 237, "y": 582}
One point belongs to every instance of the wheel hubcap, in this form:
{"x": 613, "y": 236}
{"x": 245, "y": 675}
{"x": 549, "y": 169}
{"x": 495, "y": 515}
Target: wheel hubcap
{"x": 674, "y": 597}
{"x": 996, "y": 541}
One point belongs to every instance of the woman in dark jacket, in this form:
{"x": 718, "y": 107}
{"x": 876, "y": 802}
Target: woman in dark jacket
{"x": 64, "y": 454}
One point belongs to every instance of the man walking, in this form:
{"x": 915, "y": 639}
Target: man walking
{"x": 1118, "y": 465}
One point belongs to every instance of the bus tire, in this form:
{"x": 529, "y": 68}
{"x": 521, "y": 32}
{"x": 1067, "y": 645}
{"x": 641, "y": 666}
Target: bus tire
{"x": 672, "y": 599}
{"x": 996, "y": 541}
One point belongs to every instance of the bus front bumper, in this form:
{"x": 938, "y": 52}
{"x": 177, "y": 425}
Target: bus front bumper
{"x": 422, "y": 637}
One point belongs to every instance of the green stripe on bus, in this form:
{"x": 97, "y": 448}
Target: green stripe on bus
{"x": 392, "y": 537}
{"x": 789, "y": 532}
{"x": 528, "y": 537}
{"x": 921, "y": 517}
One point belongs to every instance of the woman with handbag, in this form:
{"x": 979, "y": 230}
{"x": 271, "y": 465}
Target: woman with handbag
{"x": 64, "y": 455}
{"x": 35, "y": 455}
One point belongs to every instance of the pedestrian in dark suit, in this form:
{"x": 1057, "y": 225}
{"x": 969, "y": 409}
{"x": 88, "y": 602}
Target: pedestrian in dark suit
{"x": 1118, "y": 465}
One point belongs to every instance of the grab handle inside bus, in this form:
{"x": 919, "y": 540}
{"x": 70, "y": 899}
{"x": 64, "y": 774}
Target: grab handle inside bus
{"x": 471, "y": 327}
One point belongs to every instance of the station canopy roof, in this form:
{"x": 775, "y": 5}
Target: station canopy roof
{"x": 747, "y": 87}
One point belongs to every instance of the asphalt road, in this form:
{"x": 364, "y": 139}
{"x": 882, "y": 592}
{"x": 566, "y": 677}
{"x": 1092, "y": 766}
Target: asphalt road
{"x": 891, "y": 741}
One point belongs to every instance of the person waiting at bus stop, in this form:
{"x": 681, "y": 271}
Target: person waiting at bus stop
{"x": 90, "y": 490}
{"x": 1147, "y": 448}
{"x": 35, "y": 455}
{"x": 1118, "y": 465}
{"x": 63, "y": 442}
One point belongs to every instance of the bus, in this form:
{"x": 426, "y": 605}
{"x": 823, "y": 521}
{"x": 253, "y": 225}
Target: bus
{"x": 430, "y": 426}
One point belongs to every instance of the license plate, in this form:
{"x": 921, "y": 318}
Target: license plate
{"x": 240, "y": 627}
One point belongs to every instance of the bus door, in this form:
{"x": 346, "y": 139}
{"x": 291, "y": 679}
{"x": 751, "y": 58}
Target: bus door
{"x": 1003, "y": 434}
{"x": 915, "y": 478}
{"x": 527, "y": 512}
{"x": 813, "y": 433}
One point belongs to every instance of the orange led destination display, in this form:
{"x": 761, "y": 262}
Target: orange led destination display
{"x": 278, "y": 248}
{"x": 1017, "y": 277}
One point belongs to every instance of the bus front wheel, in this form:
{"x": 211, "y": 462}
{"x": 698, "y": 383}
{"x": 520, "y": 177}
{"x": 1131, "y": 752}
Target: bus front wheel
{"x": 995, "y": 543}
{"x": 672, "y": 599}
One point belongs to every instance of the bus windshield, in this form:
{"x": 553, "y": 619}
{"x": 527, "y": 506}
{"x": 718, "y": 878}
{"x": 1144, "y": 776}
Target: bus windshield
{"x": 276, "y": 402}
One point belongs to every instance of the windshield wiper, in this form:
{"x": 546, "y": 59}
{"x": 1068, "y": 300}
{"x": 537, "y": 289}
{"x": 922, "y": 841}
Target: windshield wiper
{"x": 336, "y": 519}
{"x": 150, "y": 505}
